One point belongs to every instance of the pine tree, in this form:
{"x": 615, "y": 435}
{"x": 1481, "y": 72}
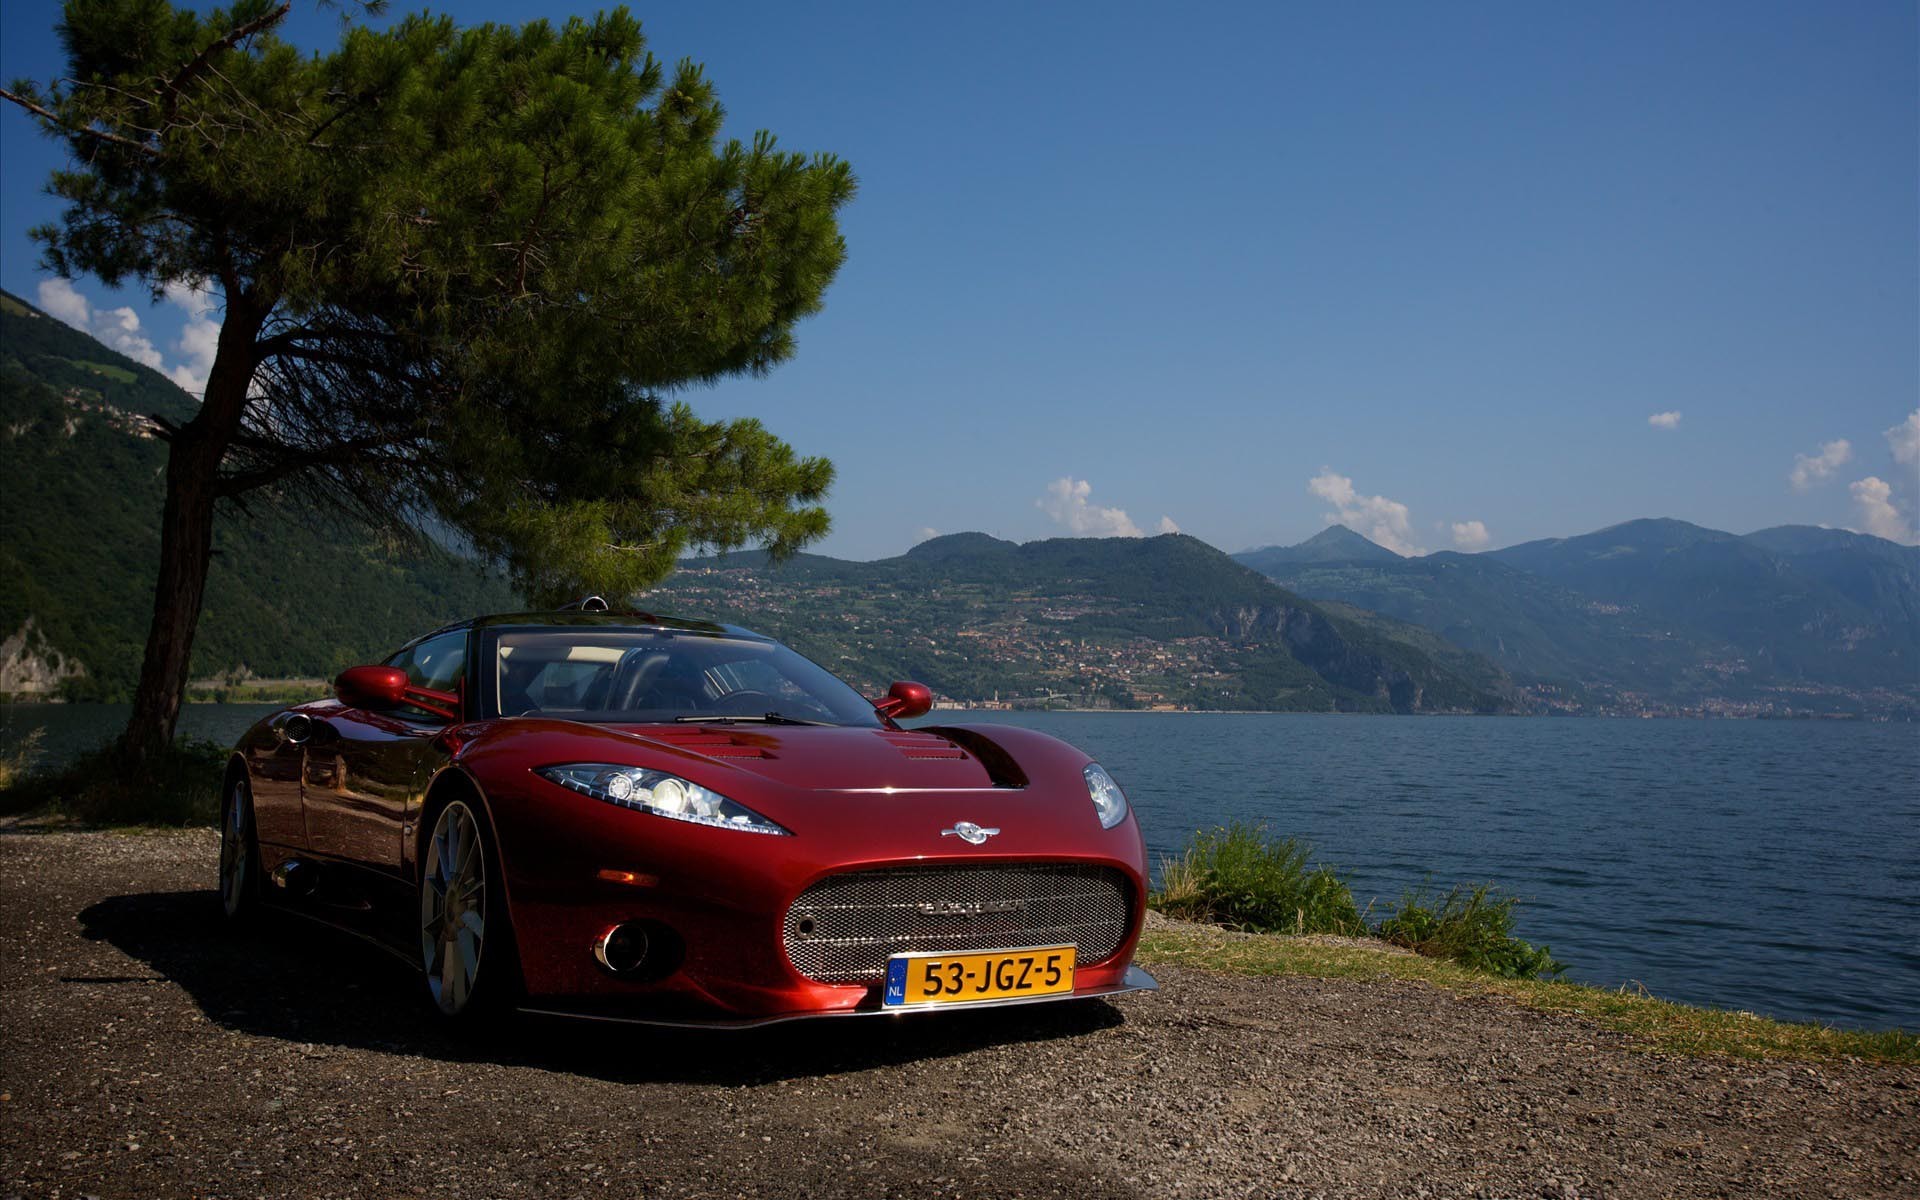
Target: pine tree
{"x": 463, "y": 270}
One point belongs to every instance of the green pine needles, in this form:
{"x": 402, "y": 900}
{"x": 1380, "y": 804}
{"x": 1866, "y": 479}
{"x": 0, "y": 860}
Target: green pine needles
{"x": 462, "y": 273}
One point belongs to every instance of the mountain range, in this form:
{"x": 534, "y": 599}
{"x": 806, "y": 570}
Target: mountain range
{"x": 1123, "y": 622}
{"x": 293, "y": 594}
{"x": 1653, "y": 614}
{"x": 1649, "y": 616}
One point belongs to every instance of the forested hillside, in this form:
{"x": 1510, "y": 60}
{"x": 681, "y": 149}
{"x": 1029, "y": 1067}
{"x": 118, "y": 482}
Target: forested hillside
{"x": 1128, "y": 622}
{"x": 291, "y": 593}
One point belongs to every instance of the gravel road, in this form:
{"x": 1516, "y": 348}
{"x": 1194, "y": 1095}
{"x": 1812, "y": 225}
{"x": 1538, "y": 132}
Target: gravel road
{"x": 148, "y": 1053}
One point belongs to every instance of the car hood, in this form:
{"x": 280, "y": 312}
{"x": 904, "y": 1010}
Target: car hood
{"x": 834, "y": 758}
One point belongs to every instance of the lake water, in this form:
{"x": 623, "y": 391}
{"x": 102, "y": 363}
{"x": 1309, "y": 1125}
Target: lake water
{"x": 1770, "y": 866}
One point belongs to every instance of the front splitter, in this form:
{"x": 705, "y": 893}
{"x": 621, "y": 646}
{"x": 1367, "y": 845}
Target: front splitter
{"x": 1135, "y": 980}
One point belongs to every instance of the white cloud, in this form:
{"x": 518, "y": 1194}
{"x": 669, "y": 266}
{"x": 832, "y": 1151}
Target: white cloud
{"x": 197, "y": 298}
{"x": 925, "y": 533}
{"x": 1809, "y": 469}
{"x": 1471, "y": 535}
{"x": 1878, "y": 512}
{"x": 62, "y": 300}
{"x": 120, "y": 329}
{"x": 199, "y": 339}
{"x": 1167, "y": 525}
{"x": 1066, "y": 502}
{"x": 1665, "y": 420}
{"x": 1377, "y": 518}
{"x": 1904, "y": 439}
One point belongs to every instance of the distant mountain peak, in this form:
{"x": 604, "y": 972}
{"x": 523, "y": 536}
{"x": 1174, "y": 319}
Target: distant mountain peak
{"x": 960, "y": 545}
{"x": 1660, "y": 531}
{"x": 1335, "y": 543}
{"x": 1339, "y": 537}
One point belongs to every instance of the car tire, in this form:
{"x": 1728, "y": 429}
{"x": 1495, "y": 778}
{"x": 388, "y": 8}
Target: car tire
{"x": 239, "y": 853}
{"x": 467, "y": 955}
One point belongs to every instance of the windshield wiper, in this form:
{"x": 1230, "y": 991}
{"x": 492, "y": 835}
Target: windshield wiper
{"x": 772, "y": 718}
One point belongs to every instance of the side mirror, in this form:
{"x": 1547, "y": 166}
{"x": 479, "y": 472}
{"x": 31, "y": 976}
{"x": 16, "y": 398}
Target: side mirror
{"x": 905, "y": 701}
{"x": 372, "y": 687}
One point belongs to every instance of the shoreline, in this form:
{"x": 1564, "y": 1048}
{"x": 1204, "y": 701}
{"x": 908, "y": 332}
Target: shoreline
{"x": 1659, "y": 1024}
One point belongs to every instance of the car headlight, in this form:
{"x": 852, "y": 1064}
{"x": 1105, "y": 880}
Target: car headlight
{"x": 658, "y": 793}
{"x": 1108, "y": 800}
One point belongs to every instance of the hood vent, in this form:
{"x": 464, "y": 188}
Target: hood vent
{"x": 922, "y": 745}
{"x": 1001, "y": 767}
{"x": 713, "y": 743}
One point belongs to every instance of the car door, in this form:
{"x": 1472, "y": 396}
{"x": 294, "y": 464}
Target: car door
{"x": 275, "y": 758}
{"x": 366, "y": 771}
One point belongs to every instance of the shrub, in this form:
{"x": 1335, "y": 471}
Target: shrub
{"x": 179, "y": 787}
{"x": 1239, "y": 876}
{"x": 1471, "y": 925}
{"x": 15, "y": 763}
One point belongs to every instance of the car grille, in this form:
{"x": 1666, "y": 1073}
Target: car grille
{"x": 845, "y": 927}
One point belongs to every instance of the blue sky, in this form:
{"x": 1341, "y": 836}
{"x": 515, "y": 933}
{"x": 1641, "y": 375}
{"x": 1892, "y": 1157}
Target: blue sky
{"x": 1243, "y": 267}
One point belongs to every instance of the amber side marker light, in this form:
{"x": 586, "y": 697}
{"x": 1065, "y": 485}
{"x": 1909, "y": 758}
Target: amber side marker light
{"x": 634, "y": 878}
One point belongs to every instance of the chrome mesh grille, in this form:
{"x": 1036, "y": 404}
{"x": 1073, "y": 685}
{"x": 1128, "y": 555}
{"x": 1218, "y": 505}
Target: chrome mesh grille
{"x": 845, "y": 927}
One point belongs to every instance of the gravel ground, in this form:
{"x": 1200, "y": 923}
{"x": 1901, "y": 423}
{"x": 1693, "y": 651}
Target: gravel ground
{"x": 148, "y": 1053}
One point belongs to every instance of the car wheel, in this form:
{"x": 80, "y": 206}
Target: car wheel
{"x": 466, "y": 943}
{"x": 239, "y": 853}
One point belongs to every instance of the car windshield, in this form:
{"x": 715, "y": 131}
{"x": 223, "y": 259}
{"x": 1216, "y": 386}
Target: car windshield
{"x": 647, "y": 675}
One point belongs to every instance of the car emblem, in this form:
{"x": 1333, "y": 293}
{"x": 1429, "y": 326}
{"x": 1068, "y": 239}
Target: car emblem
{"x": 968, "y": 832}
{"x": 971, "y": 908}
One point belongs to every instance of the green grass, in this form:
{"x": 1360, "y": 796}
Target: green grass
{"x": 181, "y": 788}
{"x": 1239, "y": 877}
{"x": 1244, "y": 886}
{"x": 1473, "y": 926}
{"x": 117, "y": 374}
{"x": 16, "y": 763}
{"x": 1652, "y": 1023}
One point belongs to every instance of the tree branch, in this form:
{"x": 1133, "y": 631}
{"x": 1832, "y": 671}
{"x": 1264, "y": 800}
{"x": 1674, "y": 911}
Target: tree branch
{"x": 204, "y": 59}
{"x": 389, "y": 370}
{"x": 288, "y": 341}
{"x": 89, "y": 131}
{"x": 333, "y": 456}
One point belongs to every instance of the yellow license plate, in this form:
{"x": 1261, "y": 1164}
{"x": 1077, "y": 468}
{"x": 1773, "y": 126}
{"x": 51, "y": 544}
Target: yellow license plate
{"x": 914, "y": 979}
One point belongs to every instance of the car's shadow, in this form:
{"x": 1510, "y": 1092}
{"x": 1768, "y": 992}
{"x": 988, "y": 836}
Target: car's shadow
{"x": 291, "y": 979}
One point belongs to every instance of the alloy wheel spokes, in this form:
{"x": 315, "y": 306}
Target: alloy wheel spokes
{"x": 443, "y": 848}
{"x": 453, "y": 908}
{"x": 468, "y": 835}
{"x": 452, "y": 979}
{"x": 233, "y": 848}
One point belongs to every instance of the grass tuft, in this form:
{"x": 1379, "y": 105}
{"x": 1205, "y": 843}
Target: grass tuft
{"x": 181, "y": 787}
{"x": 1239, "y": 877}
{"x": 16, "y": 763}
{"x": 1473, "y": 926}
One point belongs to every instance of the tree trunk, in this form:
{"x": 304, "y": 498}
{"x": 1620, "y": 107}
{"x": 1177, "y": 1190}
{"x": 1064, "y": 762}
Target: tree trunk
{"x": 186, "y": 537}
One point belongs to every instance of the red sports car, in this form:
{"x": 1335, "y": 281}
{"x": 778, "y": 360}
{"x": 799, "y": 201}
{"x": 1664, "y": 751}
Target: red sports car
{"x": 626, "y": 816}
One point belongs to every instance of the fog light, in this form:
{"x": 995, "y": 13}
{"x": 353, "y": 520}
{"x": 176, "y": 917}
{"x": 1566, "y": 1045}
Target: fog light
{"x": 622, "y": 949}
